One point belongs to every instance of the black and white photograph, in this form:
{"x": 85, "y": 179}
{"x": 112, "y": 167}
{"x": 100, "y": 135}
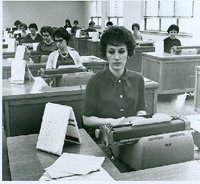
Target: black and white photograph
{"x": 103, "y": 91}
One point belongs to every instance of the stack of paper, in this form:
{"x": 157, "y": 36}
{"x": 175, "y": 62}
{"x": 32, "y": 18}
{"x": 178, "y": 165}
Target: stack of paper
{"x": 71, "y": 166}
{"x": 86, "y": 59}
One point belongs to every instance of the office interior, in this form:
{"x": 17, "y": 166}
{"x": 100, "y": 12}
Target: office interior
{"x": 172, "y": 86}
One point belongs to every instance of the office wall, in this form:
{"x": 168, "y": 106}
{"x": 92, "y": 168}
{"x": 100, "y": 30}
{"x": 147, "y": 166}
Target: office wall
{"x": 51, "y": 13}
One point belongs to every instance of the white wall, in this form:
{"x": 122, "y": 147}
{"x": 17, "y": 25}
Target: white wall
{"x": 52, "y": 13}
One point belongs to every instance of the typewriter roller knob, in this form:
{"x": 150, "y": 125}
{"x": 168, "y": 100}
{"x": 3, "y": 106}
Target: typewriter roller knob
{"x": 97, "y": 133}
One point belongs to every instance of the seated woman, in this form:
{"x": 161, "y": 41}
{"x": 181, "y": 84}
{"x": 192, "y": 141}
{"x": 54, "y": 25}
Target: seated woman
{"x": 63, "y": 55}
{"x": 24, "y": 31}
{"x": 47, "y": 45}
{"x": 171, "y": 42}
{"x": 136, "y": 34}
{"x": 91, "y": 27}
{"x": 75, "y": 27}
{"x": 33, "y": 37}
{"x": 115, "y": 93}
{"x": 68, "y": 25}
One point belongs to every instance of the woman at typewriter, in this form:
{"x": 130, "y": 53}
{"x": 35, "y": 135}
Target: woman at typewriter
{"x": 116, "y": 93}
{"x": 47, "y": 45}
{"x": 171, "y": 42}
{"x": 33, "y": 36}
{"x": 136, "y": 32}
{"x": 63, "y": 55}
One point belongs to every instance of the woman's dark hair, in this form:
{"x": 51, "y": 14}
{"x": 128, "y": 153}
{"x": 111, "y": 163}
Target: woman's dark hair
{"x": 173, "y": 27}
{"x": 61, "y": 32}
{"x": 17, "y": 22}
{"x": 117, "y": 35}
{"x": 136, "y": 25}
{"x": 46, "y": 29}
{"x": 76, "y": 22}
{"x": 109, "y": 23}
{"x": 23, "y": 25}
{"x": 67, "y": 21}
{"x": 91, "y": 23}
{"x": 33, "y": 25}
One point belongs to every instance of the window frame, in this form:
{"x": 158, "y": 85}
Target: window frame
{"x": 160, "y": 18}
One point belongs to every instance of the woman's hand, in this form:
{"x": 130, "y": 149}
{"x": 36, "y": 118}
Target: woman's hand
{"x": 118, "y": 121}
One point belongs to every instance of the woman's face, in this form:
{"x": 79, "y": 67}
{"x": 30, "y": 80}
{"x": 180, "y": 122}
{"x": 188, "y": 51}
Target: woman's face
{"x": 173, "y": 34}
{"x": 61, "y": 43}
{"x": 33, "y": 31}
{"x": 135, "y": 30}
{"x": 117, "y": 56}
{"x": 46, "y": 37}
{"x": 22, "y": 28}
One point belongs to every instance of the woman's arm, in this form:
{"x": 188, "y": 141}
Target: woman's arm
{"x": 95, "y": 122}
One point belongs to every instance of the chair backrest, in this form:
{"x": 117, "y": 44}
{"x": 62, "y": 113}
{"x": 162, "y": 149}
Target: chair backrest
{"x": 73, "y": 79}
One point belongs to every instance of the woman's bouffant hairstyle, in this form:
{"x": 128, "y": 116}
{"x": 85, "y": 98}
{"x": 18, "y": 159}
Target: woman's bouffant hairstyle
{"x": 173, "y": 27}
{"x": 33, "y": 25}
{"x": 61, "y": 32}
{"x": 46, "y": 29}
{"x": 117, "y": 35}
{"x": 24, "y": 25}
{"x": 136, "y": 25}
{"x": 17, "y": 22}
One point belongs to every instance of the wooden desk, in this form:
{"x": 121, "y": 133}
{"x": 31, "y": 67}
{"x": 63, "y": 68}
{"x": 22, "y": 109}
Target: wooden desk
{"x": 34, "y": 54}
{"x": 80, "y": 45}
{"x": 197, "y": 89}
{"x": 95, "y": 66}
{"x": 34, "y": 68}
{"x": 135, "y": 62}
{"x": 27, "y": 163}
{"x": 174, "y": 73}
{"x": 23, "y": 105}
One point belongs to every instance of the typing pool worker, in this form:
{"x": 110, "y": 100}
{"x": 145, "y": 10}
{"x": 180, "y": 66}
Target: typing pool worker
{"x": 63, "y": 55}
{"x": 136, "y": 34}
{"x": 47, "y": 45}
{"x": 115, "y": 93}
{"x": 171, "y": 42}
{"x": 33, "y": 36}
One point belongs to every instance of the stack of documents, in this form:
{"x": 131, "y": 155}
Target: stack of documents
{"x": 86, "y": 59}
{"x": 76, "y": 166}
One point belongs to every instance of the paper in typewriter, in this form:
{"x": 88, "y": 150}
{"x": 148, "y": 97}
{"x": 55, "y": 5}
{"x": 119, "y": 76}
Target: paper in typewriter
{"x": 55, "y": 121}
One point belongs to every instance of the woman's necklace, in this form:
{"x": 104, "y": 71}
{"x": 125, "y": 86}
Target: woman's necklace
{"x": 64, "y": 55}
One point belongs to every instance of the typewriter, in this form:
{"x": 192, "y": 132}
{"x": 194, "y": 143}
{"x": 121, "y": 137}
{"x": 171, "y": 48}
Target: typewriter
{"x": 145, "y": 142}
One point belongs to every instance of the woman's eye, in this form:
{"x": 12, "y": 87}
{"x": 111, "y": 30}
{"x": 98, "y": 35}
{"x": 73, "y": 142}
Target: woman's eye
{"x": 121, "y": 51}
{"x": 111, "y": 52}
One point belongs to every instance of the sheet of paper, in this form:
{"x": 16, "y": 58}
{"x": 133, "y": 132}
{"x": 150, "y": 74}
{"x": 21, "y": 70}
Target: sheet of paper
{"x": 195, "y": 121}
{"x": 20, "y": 52}
{"x": 18, "y": 71}
{"x": 53, "y": 128}
{"x": 69, "y": 164}
{"x": 68, "y": 66}
{"x": 100, "y": 175}
{"x": 86, "y": 59}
